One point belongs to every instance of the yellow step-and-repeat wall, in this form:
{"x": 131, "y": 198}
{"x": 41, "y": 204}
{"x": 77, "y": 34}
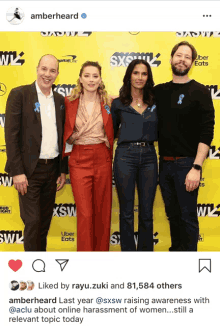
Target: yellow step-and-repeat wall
{"x": 19, "y": 56}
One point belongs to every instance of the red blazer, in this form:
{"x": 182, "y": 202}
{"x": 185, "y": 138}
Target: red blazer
{"x": 71, "y": 108}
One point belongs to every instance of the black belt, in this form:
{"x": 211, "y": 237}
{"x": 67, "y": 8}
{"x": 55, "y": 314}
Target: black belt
{"x": 47, "y": 160}
{"x": 142, "y": 144}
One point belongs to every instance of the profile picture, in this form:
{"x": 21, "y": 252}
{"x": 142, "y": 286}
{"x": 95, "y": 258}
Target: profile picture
{"x": 30, "y": 285}
{"x": 23, "y": 286}
{"x": 14, "y": 285}
{"x": 15, "y": 16}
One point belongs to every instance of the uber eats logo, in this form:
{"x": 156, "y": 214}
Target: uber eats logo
{"x": 11, "y": 58}
{"x": 119, "y": 59}
{"x": 62, "y": 210}
{"x": 115, "y": 238}
{"x": 67, "y": 236}
{"x": 10, "y": 237}
{"x": 201, "y": 60}
{"x": 209, "y": 210}
{"x": 5, "y": 209}
{"x": 202, "y": 182}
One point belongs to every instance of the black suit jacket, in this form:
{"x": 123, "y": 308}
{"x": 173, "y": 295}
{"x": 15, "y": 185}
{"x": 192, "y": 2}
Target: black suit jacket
{"x": 23, "y": 130}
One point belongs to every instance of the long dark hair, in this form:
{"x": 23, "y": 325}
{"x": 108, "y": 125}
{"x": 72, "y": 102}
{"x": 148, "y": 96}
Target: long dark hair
{"x": 125, "y": 91}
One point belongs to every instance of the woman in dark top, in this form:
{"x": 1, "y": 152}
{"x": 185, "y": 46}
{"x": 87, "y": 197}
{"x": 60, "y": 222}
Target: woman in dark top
{"x": 135, "y": 124}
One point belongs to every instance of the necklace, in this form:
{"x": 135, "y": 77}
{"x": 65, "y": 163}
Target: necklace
{"x": 139, "y": 105}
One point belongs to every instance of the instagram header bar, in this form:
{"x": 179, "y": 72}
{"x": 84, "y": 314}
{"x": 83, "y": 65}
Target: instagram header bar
{"x": 109, "y": 15}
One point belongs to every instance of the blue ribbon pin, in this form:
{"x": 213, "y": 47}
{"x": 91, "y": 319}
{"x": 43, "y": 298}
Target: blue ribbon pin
{"x": 62, "y": 107}
{"x": 37, "y": 107}
{"x": 180, "y": 99}
{"x": 153, "y": 108}
{"x": 107, "y": 109}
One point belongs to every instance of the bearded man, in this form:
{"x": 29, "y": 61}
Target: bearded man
{"x": 186, "y": 124}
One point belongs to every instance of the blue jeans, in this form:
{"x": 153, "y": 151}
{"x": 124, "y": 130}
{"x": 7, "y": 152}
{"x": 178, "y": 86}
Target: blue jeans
{"x": 180, "y": 205}
{"x": 136, "y": 165}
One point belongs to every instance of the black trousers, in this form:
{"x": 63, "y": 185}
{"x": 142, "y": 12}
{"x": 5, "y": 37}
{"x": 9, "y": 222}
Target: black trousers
{"x": 180, "y": 205}
{"x": 36, "y": 207}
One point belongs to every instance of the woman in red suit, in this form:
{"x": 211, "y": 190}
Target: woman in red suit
{"x": 88, "y": 139}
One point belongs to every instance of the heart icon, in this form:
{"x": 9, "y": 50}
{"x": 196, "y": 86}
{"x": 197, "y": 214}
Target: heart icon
{"x": 15, "y": 265}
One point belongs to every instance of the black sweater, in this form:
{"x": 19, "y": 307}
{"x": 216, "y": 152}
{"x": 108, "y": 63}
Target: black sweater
{"x": 186, "y": 118}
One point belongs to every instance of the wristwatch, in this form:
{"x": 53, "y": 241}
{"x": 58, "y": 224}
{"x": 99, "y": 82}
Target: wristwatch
{"x": 197, "y": 167}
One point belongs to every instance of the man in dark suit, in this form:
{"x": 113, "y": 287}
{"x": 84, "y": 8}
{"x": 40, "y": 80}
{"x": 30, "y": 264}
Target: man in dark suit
{"x": 34, "y": 124}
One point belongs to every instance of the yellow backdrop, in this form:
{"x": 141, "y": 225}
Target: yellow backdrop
{"x": 19, "y": 56}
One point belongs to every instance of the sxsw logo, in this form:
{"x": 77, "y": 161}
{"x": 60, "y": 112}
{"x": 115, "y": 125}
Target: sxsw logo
{"x": 62, "y": 210}
{"x": 215, "y": 92}
{"x": 10, "y": 237}
{"x": 115, "y": 238}
{"x": 59, "y": 34}
{"x": 197, "y": 34}
{"x": 64, "y": 89}
{"x": 2, "y": 120}
{"x": 208, "y": 210}
{"x": 123, "y": 59}
{"x": 11, "y": 57}
{"x": 214, "y": 154}
{"x": 5, "y": 180}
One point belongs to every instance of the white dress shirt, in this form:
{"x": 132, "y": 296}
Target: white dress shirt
{"x": 49, "y": 144}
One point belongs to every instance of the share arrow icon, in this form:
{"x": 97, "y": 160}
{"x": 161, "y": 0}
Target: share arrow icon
{"x": 62, "y": 263}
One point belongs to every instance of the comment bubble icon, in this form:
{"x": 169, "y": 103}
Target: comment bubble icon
{"x": 38, "y": 265}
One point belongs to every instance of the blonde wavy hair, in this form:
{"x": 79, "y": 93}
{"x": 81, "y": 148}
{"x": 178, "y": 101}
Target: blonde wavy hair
{"x": 75, "y": 93}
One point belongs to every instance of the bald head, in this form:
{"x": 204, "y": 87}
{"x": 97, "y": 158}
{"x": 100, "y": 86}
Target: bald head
{"x": 47, "y": 72}
{"x": 47, "y": 56}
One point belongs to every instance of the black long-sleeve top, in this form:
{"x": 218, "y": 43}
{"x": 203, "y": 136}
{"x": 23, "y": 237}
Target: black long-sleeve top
{"x": 186, "y": 118}
{"x": 133, "y": 126}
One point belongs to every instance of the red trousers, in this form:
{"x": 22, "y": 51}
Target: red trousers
{"x": 91, "y": 179}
